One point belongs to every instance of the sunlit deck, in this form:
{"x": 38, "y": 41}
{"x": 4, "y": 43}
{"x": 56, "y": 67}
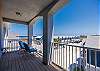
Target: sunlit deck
{"x": 23, "y": 62}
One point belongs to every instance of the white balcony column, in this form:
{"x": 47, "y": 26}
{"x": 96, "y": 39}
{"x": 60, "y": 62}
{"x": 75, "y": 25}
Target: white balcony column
{"x": 47, "y": 37}
{"x": 1, "y": 31}
{"x": 30, "y": 34}
{"x": 1, "y": 40}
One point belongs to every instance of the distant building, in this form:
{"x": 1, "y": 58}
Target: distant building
{"x": 93, "y": 41}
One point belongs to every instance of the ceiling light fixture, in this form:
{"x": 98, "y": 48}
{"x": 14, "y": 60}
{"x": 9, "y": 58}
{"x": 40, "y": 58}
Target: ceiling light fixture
{"x": 18, "y": 14}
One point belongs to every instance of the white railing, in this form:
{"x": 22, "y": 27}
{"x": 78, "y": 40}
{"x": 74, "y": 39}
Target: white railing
{"x": 11, "y": 44}
{"x": 39, "y": 46}
{"x": 75, "y": 58}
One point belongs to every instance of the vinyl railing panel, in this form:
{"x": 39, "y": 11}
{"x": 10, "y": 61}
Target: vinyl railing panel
{"x": 75, "y": 58}
{"x": 11, "y": 45}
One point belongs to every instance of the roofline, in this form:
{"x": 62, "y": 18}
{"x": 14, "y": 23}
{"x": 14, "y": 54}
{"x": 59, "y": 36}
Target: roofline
{"x": 14, "y": 21}
{"x": 51, "y": 8}
{"x": 47, "y": 8}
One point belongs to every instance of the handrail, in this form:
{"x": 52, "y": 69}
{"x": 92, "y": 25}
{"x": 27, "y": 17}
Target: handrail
{"x": 76, "y": 46}
{"x": 11, "y": 44}
{"x": 65, "y": 55}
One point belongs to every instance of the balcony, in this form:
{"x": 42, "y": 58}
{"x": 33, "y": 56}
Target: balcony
{"x": 62, "y": 57}
{"x": 14, "y": 60}
{"x": 50, "y": 56}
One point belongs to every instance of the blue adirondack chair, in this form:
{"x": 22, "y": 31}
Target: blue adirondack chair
{"x": 21, "y": 45}
{"x": 28, "y": 49}
{"x": 25, "y": 46}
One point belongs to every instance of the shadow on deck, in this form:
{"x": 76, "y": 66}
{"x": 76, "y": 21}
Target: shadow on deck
{"x": 14, "y": 61}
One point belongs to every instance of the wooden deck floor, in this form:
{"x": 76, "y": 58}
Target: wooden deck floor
{"x": 23, "y": 62}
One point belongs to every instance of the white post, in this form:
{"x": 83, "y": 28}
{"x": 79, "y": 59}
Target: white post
{"x": 47, "y": 37}
{"x": 30, "y": 34}
{"x": 1, "y": 31}
{"x": 30, "y": 30}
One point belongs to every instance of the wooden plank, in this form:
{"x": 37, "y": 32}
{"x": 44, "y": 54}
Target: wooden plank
{"x": 44, "y": 67}
{"x": 33, "y": 64}
{"x": 23, "y": 62}
{"x": 26, "y": 61}
{"x": 40, "y": 68}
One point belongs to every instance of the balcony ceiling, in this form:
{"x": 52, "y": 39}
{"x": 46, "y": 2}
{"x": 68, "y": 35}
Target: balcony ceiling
{"x": 23, "y": 10}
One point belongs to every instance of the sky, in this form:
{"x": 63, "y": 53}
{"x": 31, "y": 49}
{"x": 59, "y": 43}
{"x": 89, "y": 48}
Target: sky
{"x": 18, "y": 29}
{"x": 77, "y": 17}
{"x": 38, "y": 27}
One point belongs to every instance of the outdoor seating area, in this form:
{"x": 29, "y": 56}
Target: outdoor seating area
{"x": 25, "y": 47}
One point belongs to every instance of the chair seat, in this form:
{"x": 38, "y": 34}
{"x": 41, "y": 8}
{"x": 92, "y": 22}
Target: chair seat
{"x": 33, "y": 49}
{"x": 27, "y": 48}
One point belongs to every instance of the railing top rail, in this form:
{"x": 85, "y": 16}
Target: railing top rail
{"x": 84, "y": 47}
{"x": 80, "y": 46}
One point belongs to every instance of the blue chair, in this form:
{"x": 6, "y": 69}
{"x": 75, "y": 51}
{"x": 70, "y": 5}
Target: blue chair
{"x": 21, "y": 48}
{"x": 21, "y": 45}
{"x": 25, "y": 46}
{"x": 28, "y": 49}
{"x": 3, "y": 50}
